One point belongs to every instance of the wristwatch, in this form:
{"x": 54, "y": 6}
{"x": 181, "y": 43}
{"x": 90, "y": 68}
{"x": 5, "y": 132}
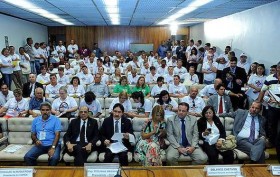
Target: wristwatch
{"x": 53, "y": 147}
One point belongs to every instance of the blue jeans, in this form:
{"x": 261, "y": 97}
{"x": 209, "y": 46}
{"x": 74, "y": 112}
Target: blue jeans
{"x": 208, "y": 82}
{"x": 37, "y": 67}
{"x": 8, "y": 79}
{"x": 31, "y": 156}
{"x": 32, "y": 67}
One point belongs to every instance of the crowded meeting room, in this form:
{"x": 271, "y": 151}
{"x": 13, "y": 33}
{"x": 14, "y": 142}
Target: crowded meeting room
{"x": 139, "y": 88}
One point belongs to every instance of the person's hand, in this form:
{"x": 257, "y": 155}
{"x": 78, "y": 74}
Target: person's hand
{"x": 88, "y": 147}
{"x": 238, "y": 81}
{"x": 162, "y": 133}
{"x": 219, "y": 144}
{"x": 206, "y": 132}
{"x": 38, "y": 143}
{"x": 190, "y": 150}
{"x": 57, "y": 113}
{"x": 107, "y": 142}
{"x": 182, "y": 150}
{"x": 70, "y": 147}
{"x": 51, "y": 152}
{"x": 126, "y": 136}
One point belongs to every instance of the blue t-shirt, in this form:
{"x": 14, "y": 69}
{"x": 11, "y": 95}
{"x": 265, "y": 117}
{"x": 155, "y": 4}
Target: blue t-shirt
{"x": 49, "y": 126}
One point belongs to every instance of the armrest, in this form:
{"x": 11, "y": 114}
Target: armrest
{"x": 5, "y": 138}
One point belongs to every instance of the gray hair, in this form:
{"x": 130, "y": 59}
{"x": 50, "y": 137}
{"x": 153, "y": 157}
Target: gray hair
{"x": 45, "y": 104}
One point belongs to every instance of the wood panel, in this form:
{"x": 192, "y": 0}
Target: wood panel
{"x": 111, "y": 38}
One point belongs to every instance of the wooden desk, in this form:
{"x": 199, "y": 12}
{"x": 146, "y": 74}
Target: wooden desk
{"x": 180, "y": 171}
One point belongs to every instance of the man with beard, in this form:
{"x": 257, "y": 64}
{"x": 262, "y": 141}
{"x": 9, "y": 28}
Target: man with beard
{"x": 45, "y": 133}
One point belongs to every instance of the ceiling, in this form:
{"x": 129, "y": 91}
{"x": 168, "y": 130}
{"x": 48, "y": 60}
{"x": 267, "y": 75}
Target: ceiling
{"x": 131, "y": 12}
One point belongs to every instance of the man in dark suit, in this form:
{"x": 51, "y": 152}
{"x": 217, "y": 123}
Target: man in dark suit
{"x": 28, "y": 89}
{"x": 234, "y": 78}
{"x": 81, "y": 137}
{"x": 116, "y": 123}
{"x": 248, "y": 128}
{"x": 220, "y": 101}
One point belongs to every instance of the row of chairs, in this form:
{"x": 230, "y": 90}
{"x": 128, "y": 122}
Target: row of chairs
{"x": 17, "y": 133}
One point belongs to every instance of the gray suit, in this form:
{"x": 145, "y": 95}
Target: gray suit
{"x": 213, "y": 101}
{"x": 256, "y": 149}
{"x": 174, "y": 135}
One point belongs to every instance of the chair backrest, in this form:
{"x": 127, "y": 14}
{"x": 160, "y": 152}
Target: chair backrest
{"x": 102, "y": 102}
{"x": 229, "y": 122}
{"x": 111, "y": 88}
{"x": 19, "y": 130}
{"x": 4, "y": 126}
{"x": 137, "y": 125}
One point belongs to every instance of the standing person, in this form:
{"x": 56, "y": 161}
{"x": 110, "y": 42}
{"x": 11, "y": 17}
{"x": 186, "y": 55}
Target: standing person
{"x": 28, "y": 48}
{"x": 209, "y": 125}
{"x": 72, "y": 48}
{"x": 148, "y": 146}
{"x": 81, "y": 137}
{"x": 45, "y": 133}
{"x": 7, "y": 66}
{"x": 162, "y": 49}
{"x": 116, "y": 123}
{"x": 24, "y": 64}
{"x": 97, "y": 50}
{"x": 182, "y": 134}
{"x": 17, "y": 74}
{"x": 29, "y": 87}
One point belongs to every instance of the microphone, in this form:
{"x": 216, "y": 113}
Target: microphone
{"x": 118, "y": 173}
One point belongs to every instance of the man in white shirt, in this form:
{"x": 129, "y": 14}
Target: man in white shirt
{"x": 62, "y": 78}
{"x": 84, "y": 76}
{"x": 209, "y": 69}
{"x": 17, "y": 74}
{"x": 72, "y": 49}
{"x": 5, "y": 94}
{"x": 135, "y": 63}
{"x": 92, "y": 63}
{"x": 61, "y": 50}
{"x": 52, "y": 89}
{"x": 195, "y": 102}
{"x": 152, "y": 77}
{"x": 224, "y": 55}
{"x": 177, "y": 89}
{"x": 162, "y": 69}
{"x": 172, "y": 62}
{"x": 44, "y": 77}
{"x": 133, "y": 78}
{"x": 243, "y": 63}
{"x": 168, "y": 78}
{"x": 104, "y": 77}
{"x": 146, "y": 69}
{"x": 180, "y": 69}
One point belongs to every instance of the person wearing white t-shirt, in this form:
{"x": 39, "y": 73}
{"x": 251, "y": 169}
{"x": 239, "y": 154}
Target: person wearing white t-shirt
{"x": 5, "y": 94}
{"x": 72, "y": 49}
{"x": 133, "y": 77}
{"x": 91, "y": 64}
{"x": 44, "y": 77}
{"x": 68, "y": 71}
{"x": 92, "y": 104}
{"x": 61, "y": 50}
{"x": 209, "y": 69}
{"x": 191, "y": 78}
{"x": 162, "y": 69}
{"x": 144, "y": 105}
{"x": 172, "y": 62}
{"x": 52, "y": 89}
{"x": 243, "y": 63}
{"x": 85, "y": 77}
{"x": 146, "y": 69}
{"x": 195, "y": 102}
{"x": 224, "y": 55}
{"x": 7, "y": 66}
{"x": 124, "y": 100}
{"x": 24, "y": 64}
{"x": 152, "y": 77}
{"x": 177, "y": 89}
{"x": 159, "y": 87}
{"x": 15, "y": 107}
{"x": 180, "y": 69}
{"x": 64, "y": 106}
{"x": 62, "y": 79}
{"x": 169, "y": 78}
{"x": 17, "y": 75}
{"x": 104, "y": 77}
{"x": 135, "y": 63}
{"x": 169, "y": 105}
{"x": 75, "y": 89}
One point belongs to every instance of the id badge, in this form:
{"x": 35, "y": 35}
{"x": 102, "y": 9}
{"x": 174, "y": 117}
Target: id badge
{"x": 42, "y": 135}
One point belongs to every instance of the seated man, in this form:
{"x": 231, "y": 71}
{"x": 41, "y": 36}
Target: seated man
{"x": 5, "y": 94}
{"x": 15, "y": 107}
{"x": 62, "y": 78}
{"x": 44, "y": 77}
{"x": 35, "y": 102}
{"x": 99, "y": 89}
{"x": 45, "y": 133}
{"x": 116, "y": 123}
{"x": 249, "y": 131}
{"x": 220, "y": 101}
{"x": 182, "y": 133}
{"x": 64, "y": 105}
{"x": 28, "y": 89}
{"x": 85, "y": 77}
{"x": 53, "y": 88}
{"x": 81, "y": 137}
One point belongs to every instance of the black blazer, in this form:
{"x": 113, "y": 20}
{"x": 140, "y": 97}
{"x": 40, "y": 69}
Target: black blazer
{"x": 26, "y": 90}
{"x": 107, "y": 130}
{"x": 73, "y": 131}
{"x": 202, "y": 125}
{"x": 240, "y": 73}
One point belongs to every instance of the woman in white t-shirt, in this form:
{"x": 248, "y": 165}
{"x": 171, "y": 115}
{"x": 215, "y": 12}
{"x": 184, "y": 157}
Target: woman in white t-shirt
{"x": 255, "y": 84}
{"x": 68, "y": 71}
{"x": 169, "y": 105}
{"x": 75, "y": 89}
{"x": 144, "y": 105}
{"x": 159, "y": 87}
{"x": 124, "y": 100}
{"x": 7, "y": 66}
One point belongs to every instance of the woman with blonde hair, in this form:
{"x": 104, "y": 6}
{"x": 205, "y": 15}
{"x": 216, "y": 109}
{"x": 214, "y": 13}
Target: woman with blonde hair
{"x": 124, "y": 100}
{"x": 148, "y": 146}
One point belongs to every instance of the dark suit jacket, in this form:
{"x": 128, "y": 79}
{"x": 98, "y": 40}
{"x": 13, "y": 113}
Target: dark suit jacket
{"x": 213, "y": 101}
{"x": 202, "y": 125}
{"x": 107, "y": 130}
{"x": 73, "y": 131}
{"x": 240, "y": 73}
{"x": 26, "y": 90}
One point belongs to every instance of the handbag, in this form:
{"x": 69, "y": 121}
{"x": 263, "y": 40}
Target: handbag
{"x": 229, "y": 143}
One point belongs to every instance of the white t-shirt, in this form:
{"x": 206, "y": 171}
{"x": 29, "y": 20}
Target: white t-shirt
{"x": 177, "y": 89}
{"x": 53, "y": 90}
{"x": 16, "y": 57}
{"x": 9, "y": 96}
{"x": 145, "y": 71}
{"x": 69, "y": 71}
{"x": 42, "y": 79}
{"x": 64, "y": 80}
{"x": 156, "y": 89}
{"x": 245, "y": 65}
{"x": 133, "y": 80}
{"x": 79, "y": 91}
{"x": 94, "y": 107}
{"x": 61, "y": 49}
{"x": 168, "y": 107}
{"x": 71, "y": 48}
{"x": 196, "y": 105}
{"x": 151, "y": 78}
{"x": 162, "y": 71}
{"x": 14, "y": 107}
{"x": 63, "y": 105}
{"x": 126, "y": 104}
{"x": 169, "y": 79}
{"x": 191, "y": 79}
{"x": 8, "y": 62}
{"x": 85, "y": 78}
{"x": 104, "y": 79}
{"x": 147, "y": 107}
{"x": 210, "y": 76}
{"x": 180, "y": 71}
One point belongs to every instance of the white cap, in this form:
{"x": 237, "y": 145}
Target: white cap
{"x": 243, "y": 55}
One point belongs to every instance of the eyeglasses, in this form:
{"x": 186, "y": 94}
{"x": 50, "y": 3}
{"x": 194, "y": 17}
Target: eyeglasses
{"x": 83, "y": 111}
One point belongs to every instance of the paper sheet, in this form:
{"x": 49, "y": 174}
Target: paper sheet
{"x": 117, "y": 147}
{"x": 251, "y": 94}
{"x": 117, "y": 137}
{"x": 13, "y": 148}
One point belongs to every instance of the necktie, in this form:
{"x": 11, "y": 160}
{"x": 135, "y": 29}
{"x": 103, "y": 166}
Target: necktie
{"x": 117, "y": 126}
{"x": 185, "y": 142}
{"x": 221, "y": 105}
{"x": 82, "y": 133}
{"x": 191, "y": 78}
{"x": 252, "y": 131}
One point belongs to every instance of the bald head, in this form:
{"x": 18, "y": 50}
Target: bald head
{"x": 217, "y": 82}
{"x": 32, "y": 78}
{"x": 39, "y": 93}
{"x": 83, "y": 112}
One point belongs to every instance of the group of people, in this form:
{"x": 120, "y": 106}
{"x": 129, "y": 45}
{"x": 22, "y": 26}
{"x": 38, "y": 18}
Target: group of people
{"x": 231, "y": 85}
